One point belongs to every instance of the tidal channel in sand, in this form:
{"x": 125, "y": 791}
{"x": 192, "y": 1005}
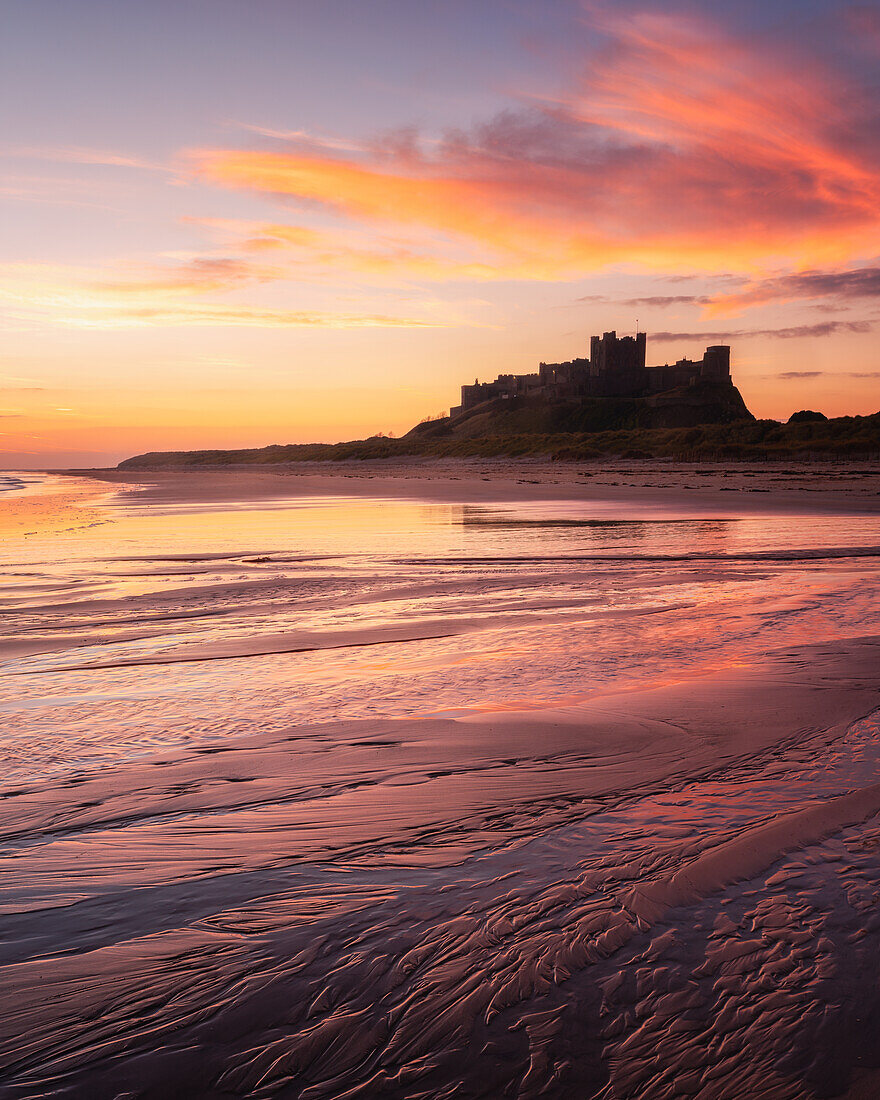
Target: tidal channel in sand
{"x": 322, "y": 789}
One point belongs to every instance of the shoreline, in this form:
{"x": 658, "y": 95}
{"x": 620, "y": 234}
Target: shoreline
{"x": 719, "y": 488}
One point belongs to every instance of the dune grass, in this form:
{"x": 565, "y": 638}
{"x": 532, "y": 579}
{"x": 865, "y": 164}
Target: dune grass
{"x": 758, "y": 440}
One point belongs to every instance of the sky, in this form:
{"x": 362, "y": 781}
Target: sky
{"x": 231, "y": 223}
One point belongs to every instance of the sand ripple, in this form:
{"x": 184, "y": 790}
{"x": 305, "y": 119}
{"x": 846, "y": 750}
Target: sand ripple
{"x": 407, "y": 800}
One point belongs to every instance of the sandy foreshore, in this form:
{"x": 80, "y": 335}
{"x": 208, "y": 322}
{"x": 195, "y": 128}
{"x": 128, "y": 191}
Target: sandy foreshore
{"x": 432, "y": 779}
{"x": 344, "y": 911}
{"x": 844, "y": 487}
{"x": 442, "y": 784}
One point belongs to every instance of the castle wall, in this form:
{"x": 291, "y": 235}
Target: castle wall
{"x": 616, "y": 368}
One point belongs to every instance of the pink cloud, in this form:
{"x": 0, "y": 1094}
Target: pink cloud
{"x": 680, "y": 145}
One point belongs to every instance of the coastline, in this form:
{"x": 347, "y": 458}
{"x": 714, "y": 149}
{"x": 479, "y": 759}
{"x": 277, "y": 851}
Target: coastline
{"x": 718, "y": 488}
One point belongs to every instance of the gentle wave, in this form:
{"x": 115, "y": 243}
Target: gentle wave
{"x": 10, "y": 484}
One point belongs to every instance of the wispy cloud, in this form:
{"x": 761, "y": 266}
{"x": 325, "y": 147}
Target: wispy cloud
{"x": 19, "y": 384}
{"x": 387, "y": 257}
{"x": 75, "y": 154}
{"x": 658, "y": 301}
{"x": 191, "y": 275}
{"x": 847, "y": 284}
{"x": 680, "y": 144}
{"x": 236, "y": 317}
{"x": 791, "y": 375}
{"x": 793, "y": 332}
{"x": 84, "y": 298}
{"x": 53, "y": 191}
{"x": 663, "y": 300}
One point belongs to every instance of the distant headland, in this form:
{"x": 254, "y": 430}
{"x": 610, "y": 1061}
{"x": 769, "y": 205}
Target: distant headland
{"x": 610, "y": 404}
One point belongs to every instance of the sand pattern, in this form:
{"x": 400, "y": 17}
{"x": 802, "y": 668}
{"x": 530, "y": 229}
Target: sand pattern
{"x": 353, "y": 796}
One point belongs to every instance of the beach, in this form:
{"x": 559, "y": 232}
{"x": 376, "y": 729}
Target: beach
{"x": 420, "y": 779}
{"x": 836, "y": 487}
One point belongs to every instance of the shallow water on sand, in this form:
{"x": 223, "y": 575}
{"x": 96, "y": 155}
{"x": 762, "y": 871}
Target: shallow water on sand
{"x": 332, "y": 796}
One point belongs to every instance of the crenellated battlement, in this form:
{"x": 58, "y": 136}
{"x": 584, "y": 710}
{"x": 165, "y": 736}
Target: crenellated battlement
{"x": 615, "y": 368}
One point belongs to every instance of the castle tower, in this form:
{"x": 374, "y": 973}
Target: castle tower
{"x": 617, "y": 364}
{"x": 716, "y": 363}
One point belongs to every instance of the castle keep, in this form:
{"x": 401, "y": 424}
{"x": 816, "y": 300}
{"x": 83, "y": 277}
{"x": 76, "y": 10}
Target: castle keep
{"x": 616, "y": 368}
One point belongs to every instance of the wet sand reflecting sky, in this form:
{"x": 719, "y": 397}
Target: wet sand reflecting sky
{"x": 325, "y": 796}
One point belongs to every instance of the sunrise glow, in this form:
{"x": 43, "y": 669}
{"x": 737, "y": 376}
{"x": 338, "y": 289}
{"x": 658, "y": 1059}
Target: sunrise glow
{"x": 190, "y": 283}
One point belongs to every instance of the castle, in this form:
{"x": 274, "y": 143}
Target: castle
{"x": 616, "y": 368}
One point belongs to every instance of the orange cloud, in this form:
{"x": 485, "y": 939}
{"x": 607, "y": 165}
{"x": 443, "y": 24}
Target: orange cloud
{"x": 346, "y": 251}
{"x": 470, "y": 209}
{"x": 682, "y": 81}
{"x": 681, "y": 146}
{"x": 196, "y": 275}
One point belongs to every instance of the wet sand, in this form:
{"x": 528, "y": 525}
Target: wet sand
{"x": 849, "y": 486}
{"x": 360, "y": 793}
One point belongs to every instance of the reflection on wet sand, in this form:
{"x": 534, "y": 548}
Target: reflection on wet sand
{"x": 355, "y": 798}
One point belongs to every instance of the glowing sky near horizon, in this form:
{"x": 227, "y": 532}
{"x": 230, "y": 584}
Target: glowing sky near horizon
{"x": 233, "y": 223}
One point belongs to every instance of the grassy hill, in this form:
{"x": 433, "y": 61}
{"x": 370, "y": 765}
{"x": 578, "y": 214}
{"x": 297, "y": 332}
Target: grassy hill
{"x": 691, "y": 406}
{"x": 845, "y": 436}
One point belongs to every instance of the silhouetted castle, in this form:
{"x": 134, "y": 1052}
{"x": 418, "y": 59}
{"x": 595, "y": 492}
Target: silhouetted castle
{"x": 616, "y": 368}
